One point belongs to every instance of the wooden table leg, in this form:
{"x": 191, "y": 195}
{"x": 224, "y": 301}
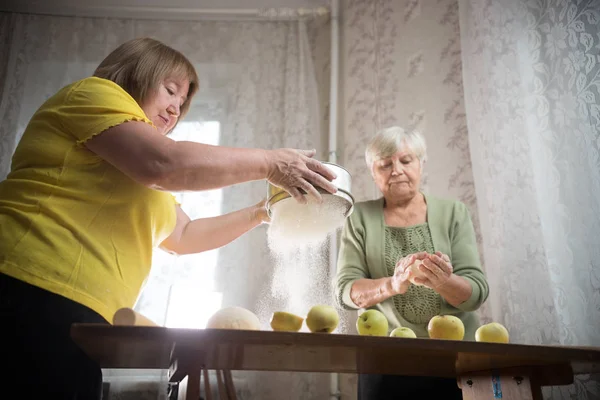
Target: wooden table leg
{"x": 207, "y": 389}
{"x": 189, "y": 387}
{"x": 221, "y": 385}
{"x": 229, "y": 384}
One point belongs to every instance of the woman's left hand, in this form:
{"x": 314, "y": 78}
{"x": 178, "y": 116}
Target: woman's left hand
{"x": 437, "y": 270}
{"x": 260, "y": 212}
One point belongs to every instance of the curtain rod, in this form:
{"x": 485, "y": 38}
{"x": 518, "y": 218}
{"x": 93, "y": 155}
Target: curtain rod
{"x": 169, "y": 13}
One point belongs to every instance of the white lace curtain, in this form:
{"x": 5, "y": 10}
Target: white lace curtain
{"x": 532, "y": 78}
{"x": 258, "y": 88}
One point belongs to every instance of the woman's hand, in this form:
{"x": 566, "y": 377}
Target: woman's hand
{"x": 260, "y": 213}
{"x": 403, "y": 274}
{"x": 437, "y": 271}
{"x": 296, "y": 172}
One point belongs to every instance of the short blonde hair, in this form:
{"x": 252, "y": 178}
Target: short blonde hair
{"x": 140, "y": 65}
{"x": 388, "y": 141}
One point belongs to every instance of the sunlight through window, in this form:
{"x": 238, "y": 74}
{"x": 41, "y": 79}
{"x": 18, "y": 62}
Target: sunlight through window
{"x": 192, "y": 299}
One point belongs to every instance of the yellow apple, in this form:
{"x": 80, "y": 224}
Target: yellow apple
{"x": 287, "y": 322}
{"x": 403, "y": 332}
{"x": 492, "y": 332}
{"x": 446, "y": 327}
{"x": 372, "y": 323}
{"x": 322, "y": 318}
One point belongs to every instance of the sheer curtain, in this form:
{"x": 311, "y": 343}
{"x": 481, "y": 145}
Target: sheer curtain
{"x": 260, "y": 86}
{"x": 532, "y": 80}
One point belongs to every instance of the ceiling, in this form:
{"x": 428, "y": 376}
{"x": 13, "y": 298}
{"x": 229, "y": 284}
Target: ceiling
{"x": 162, "y": 9}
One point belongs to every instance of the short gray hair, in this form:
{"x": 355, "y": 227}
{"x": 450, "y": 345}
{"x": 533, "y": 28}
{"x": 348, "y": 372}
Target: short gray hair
{"x": 388, "y": 141}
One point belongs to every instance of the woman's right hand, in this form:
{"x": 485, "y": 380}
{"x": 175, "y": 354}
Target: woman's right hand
{"x": 296, "y": 171}
{"x": 402, "y": 274}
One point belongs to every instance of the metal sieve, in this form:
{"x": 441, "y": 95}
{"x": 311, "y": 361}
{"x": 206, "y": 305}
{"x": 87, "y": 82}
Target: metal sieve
{"x": 343, "y": 182}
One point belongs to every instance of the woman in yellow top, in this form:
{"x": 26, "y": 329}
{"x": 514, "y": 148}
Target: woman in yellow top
{"x": 86, "y": 203}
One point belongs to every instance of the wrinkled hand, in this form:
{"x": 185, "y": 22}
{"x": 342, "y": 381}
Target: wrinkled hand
{"x": 296, "y": 172}
{"x": 260, "y": 212}
{"x": 402, "y": 274}
{"x": 437, "y": 270}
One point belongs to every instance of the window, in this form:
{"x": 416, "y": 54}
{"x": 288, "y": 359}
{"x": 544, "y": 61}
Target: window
{"x": 192, "y": 298}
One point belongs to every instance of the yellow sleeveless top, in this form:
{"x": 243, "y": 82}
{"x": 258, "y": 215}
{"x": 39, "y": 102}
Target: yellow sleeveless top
{"x": 70, "y": 222}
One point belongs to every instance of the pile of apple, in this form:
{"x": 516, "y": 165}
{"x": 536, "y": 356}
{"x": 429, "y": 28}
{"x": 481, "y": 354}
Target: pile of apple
{"x": 320, "y": 318}
{"x": 449, "y": 327}
{"x": 325, "y": 319}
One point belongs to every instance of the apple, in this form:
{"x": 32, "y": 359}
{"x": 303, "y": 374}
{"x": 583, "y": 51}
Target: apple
{"x": 322, "y": 318}
{"x": 286, "y": 322}
{"x": 403, "y": 332}
{"x": 446, "y": 327}
{"x": 372, "y": 323}
{"x": 492, "y": 332}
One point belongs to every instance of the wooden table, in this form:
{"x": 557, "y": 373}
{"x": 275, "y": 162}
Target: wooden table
{"x": 483, "y": 370}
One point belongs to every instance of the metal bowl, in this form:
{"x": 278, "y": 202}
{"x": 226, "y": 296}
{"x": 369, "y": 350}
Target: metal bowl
{"x": 343, "y": 182}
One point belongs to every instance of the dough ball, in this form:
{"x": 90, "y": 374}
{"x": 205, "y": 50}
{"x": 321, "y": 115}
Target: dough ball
{"x": 234, "y": 318}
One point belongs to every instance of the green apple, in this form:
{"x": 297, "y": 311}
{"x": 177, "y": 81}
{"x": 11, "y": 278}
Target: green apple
{"x": 492, "y": 332}
{"x": 403, "y": 332}
{"x": 322, "y": 318}
{"x": 446, "y": 327}
{"x": 372, "y": 323}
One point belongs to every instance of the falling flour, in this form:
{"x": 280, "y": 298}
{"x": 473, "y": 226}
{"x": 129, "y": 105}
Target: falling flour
{"x": 295, "y": 226}
{"x": 298, "y": 239}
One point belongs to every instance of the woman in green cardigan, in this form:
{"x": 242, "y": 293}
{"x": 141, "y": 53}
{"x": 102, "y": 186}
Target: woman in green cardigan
{"x": 383, "y": 237}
